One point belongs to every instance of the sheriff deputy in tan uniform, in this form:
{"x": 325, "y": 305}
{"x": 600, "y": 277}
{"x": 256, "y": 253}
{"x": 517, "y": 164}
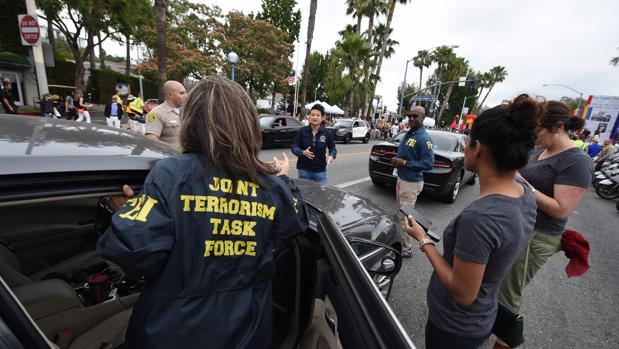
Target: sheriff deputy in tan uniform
{"x": 163, "y": 122}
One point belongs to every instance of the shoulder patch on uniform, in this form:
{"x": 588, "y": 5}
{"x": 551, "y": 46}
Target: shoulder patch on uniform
{"x": 151, "y": 116}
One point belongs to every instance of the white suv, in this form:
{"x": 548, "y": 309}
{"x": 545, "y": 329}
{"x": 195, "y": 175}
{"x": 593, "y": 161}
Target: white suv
{"x": 349, "y": 129}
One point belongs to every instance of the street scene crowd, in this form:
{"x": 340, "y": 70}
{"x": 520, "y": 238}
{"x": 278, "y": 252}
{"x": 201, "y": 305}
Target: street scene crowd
{"x": 202, "y": 228}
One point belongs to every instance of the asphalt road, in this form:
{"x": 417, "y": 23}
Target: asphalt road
{"x": 580, "y": 312}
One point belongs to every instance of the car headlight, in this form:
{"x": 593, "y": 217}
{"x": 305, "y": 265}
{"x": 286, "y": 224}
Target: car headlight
{"x": 374, "y": 157}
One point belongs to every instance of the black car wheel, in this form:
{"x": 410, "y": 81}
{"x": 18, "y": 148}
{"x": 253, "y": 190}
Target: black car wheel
{"x": 450, "y": 198}
{"x": 366, "y": 139}
{"x": 472, "y": 180}
{"x": 347, "y": 139}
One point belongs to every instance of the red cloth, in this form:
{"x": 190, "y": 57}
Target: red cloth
{"x": 454, "y": 124}
{"x": 576, "y": 248}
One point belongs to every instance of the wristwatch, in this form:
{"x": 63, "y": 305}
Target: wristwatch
{"x": 423, "y": 242}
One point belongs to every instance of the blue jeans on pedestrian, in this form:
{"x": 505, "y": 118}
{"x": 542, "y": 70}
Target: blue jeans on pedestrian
{"x": 439, "y": 339}
{"x": 320, "y": 177}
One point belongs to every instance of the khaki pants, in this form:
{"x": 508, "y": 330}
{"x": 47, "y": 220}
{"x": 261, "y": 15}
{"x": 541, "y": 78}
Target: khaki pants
{"x": 541, "y": 247}
{"x": 406, "y": 193}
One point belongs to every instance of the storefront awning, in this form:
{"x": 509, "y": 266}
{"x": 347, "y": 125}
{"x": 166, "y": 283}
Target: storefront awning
{"x": 14, "y": 61}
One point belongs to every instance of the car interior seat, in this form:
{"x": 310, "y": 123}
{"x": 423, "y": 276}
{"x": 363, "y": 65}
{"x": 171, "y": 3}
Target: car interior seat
{"x": 12, "y": 272}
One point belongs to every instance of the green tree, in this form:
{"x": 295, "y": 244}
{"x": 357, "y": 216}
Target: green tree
{"x": 386, "y": 49}
{"x": 443, "y": 55}
{"x": 573, "y": 103}
{"x": 422, "y": 60}
{"x": 496, "y": 75}
{"x": 9, "y": 37}
{"x": 409, "y": 90}
{"x": 281, "y": 14}
{"x": 318, "y": 72}
{"x": 455, "y": 69}
{"x": 615, "y": 60}
{"x": 352, "y": 53}
{"x": 308, "y": 50}
{"x": 137, "y": 16}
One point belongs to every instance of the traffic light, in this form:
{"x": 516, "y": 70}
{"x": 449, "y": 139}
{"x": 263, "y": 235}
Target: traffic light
{"x": 470, "y": 82}
{"x": 384, "y": 109}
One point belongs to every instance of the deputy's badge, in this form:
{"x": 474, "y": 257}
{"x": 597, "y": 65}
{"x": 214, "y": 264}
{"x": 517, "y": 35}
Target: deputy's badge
{"x": 323, "y": 138}
{"x": 151, "y": 116}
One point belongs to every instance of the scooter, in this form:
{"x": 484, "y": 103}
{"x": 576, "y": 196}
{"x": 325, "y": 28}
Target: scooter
{"x": 606, "y": 170}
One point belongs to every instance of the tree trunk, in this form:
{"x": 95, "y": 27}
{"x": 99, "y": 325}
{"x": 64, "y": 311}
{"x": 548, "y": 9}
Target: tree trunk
{"x": 162, "y": 76}
{"x": 310, "y": 37}
{"x": 92, "y": 60}
{"x": 367, "y": 103}
{"x": 79, "y": 72}
{"x": 383, "y": 47}
{"x": 474, "y": 110}
{"x": 444, "y": 104}
{"x": 483, "y": 100}
{"x": 102, "y": 53}
{"x": 358, "y": 28}
{"x": 128, "y": 55}
{"x": 420, "y": 76}
{"x": 349, "y": 101}
{"x": 50, "y": 35}
{"x": 273, "y": 99}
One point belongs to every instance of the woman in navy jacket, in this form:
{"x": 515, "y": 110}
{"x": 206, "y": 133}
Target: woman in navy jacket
{"x": 311, "y": 144}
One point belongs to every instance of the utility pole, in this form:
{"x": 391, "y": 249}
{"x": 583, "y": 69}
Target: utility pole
{"x": 37, "y": 55}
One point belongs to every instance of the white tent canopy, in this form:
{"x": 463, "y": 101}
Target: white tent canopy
{"x": 329, "y": 109}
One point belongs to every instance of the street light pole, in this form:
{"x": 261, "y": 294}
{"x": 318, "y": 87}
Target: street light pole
{"x": 569, "y": 88}
{"x": 233, "y": 59}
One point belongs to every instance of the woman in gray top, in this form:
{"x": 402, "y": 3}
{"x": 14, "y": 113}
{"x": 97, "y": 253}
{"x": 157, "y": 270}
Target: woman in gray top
{"x": 559, "y": 173}
{"x": 485, "y": 239}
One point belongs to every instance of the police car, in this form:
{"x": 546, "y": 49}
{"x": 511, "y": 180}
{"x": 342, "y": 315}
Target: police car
{"x": 56, "y": 292}
{"x": 347, "y": 130}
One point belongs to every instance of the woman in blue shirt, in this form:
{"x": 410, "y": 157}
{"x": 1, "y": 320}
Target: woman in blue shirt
{"x": 311, "y": 144}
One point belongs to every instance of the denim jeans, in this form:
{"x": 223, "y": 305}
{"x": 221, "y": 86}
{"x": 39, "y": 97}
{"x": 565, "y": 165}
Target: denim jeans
{"x": 439, "y": 339}
{"x": 320, "y": 177}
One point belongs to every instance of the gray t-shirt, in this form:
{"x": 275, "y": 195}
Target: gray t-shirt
{"x": 570, "y": 167}
{"x": 493, "y": 231}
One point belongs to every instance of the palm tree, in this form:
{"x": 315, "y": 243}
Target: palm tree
{"x": 373, "y": 9}
{"x": 160, "y": 17}
{"x": 615, "y": 60}
{"x": 308, "y": 49}
{"x": 443, "y": 55}
{"x": 422, "y": 60}
{"x": 358, "y": 9}
{"x": 497, "y": 74}
{"x": 351, "y": 53}
{"x": 483, "y": 81}
{"x": 455, "y": 69}
{"x": 387, "y": 48}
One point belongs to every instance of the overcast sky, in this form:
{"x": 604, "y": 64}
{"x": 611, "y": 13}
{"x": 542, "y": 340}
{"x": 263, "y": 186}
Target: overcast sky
{"x": 539, "y": 41}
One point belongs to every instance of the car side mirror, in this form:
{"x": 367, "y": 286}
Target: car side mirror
{"x": 376, "y": 257}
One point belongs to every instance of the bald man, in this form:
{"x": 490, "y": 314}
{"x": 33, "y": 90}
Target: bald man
{"x": 163, "y": 122}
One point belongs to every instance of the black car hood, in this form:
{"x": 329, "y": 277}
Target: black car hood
{"x": 443, "y": 153}
{"x": 354, "y": 215}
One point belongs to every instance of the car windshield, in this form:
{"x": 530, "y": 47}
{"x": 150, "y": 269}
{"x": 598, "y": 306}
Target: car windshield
{"x": 440, "y": 141}
{"x": 343, "y": 123}
{"x": 266, "y": 121}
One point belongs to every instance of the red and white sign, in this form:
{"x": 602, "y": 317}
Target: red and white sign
{"x": 29, "y": 30}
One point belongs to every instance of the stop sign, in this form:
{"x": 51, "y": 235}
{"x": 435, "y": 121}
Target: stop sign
{"x": 29, "y": 30}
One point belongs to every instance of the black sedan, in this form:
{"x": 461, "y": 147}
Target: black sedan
{"x": 443, "y": 180}
{"x": 278, "y": 130}
{"x": 53, "y": 178}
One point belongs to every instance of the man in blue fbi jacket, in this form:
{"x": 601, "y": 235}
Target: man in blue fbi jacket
{"x": 204, "y": 244}
{"x": 415, "y": 155}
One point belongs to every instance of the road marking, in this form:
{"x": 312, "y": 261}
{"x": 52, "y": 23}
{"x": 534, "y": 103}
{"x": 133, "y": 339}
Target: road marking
{"x": 356, "y": 181}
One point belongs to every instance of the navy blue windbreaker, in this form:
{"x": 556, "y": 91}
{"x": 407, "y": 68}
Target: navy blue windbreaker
{"x": 319, "y": 144}
{"x": 204, "y": 245}
{"x": 416, "y": 149}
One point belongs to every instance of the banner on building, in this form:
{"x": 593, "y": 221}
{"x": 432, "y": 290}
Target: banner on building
{"x": 601, "y": 114}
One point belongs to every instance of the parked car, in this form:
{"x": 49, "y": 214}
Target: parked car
{"x": 347, "y": 130}
{"x": 278, "y": 130}
{"x": 443, "y": 180}
{"x": 54, "y": 288}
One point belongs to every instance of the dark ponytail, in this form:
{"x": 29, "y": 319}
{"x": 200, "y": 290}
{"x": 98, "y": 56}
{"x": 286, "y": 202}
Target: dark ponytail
{"x": 508, "y": 130}
{"x": 558, "y": 112}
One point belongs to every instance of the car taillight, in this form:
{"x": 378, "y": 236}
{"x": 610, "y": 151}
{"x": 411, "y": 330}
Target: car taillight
{"x": 443, "y": 164}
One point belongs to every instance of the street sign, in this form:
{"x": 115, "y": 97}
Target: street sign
{"x": 423, "y": 98}
{"x": 462, "y": 81}
{"x": 465, "y": 110}
{"x": 29, "y": 30}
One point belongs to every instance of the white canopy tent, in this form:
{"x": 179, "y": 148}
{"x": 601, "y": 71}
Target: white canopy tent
{"x": 329, "y": 109}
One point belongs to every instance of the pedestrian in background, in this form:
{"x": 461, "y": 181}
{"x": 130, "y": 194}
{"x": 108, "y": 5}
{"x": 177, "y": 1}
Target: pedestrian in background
{"x": 81, "y": 107}
{"x": 311, "y": 145}
{"x": 69, "y": 108}
{"x": 47, "y": 106}
{"x": 559, "y": 173}
{"x": 163, "y": 122}
{"x": 113, "y": 112}
{"x": 594, "y": 148}
{"x": 415, "y": 155}
{"x": 7, "y": 98}
{"x": 485, "y": 239}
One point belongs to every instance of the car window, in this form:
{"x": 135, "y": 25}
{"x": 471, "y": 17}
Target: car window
{"x": 343, "y": 123}
{"x": 444, "y": 141}
{"x": 356, "y": 124}
{"x": 293, "y": 122}
{"x": 266, "y": 121}
{"x": 280, "y": 122}
{"x": 398, "y": 137}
